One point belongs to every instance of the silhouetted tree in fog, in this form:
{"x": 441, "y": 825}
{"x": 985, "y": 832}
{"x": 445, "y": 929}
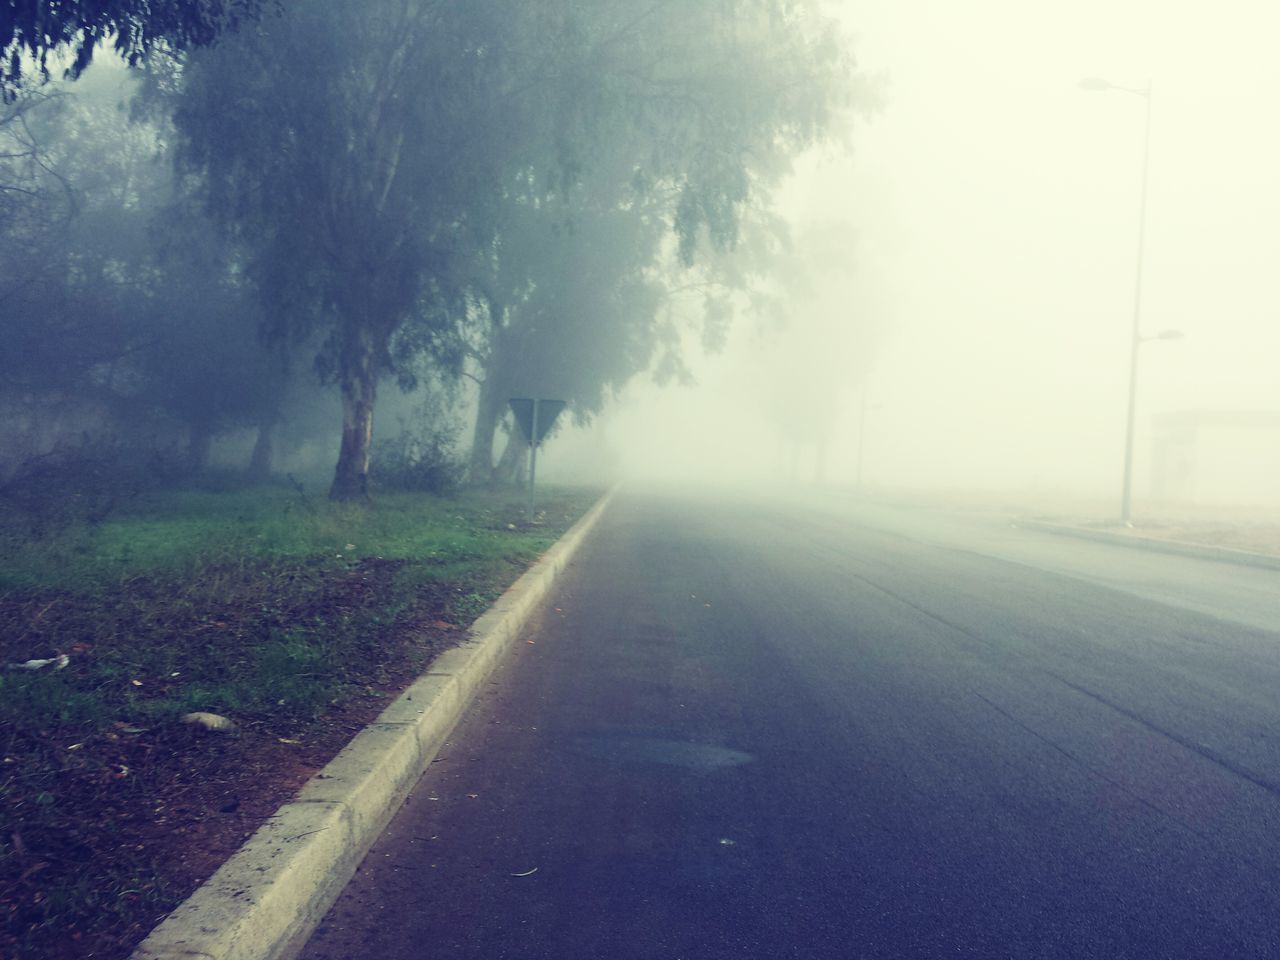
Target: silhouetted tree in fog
{"x": 687, "y": 117}
{"x": 368, "y": 166}
{"x": 117, "y": 299}
{"x": 203, "y": 360}
{"x": 569, "y": 311}
{"x": 351, "y": 157}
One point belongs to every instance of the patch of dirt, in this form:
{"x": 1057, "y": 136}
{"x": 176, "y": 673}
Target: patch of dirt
{"x": 106, "y": 832}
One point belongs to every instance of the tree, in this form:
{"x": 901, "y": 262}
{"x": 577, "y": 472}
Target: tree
{"x": 698, "y": 110}
{"x": 116, "y": 292}
{"x": 35, "y": 29}
{"x": 64, "y": 285}
{"x": 37, "y": 205}
{"x": 368, "y": 166}
{"x": 827, "y": 347}
{"x": 355, "y": 160}
{"x": 202, "y": 359}
{"x": 570, "y": 311}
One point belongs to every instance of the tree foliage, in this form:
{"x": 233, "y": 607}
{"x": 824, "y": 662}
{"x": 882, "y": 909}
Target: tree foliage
{"x": 33, "y": 30}
{"x": 526, "y": 193}
{"x": 37, "y": 203}
{"x": 117, "y": 291}
{"x": 694, "y": 113}
{"x": 352, "y": 160}
{"x": 369, "y": 168}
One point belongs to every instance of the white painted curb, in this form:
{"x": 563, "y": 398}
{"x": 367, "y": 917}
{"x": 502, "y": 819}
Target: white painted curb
{"x": 265, "y": 901}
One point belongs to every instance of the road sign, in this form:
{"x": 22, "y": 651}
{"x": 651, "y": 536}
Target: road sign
{"x": 536, "y": 418}
{"x": 547, "y": 411}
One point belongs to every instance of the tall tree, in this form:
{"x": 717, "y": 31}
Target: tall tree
{"x": 73, "y": 230}
{"x": 369, "y": 165}
{"x": 202, "y": 360}
{"x": 822, "y": 347}
{"x": 570, "y": 310}
{"x": 352, "y": 159}
{"x": 37, "y": 206}
{"x": 115, "y": 292}
{"x": 695, "y": 113}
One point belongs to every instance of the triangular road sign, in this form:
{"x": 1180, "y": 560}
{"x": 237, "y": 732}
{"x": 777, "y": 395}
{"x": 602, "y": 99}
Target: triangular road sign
{"x": 548, "y": 411}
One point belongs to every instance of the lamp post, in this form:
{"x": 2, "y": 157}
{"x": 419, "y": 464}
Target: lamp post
{"x": 1098, "y": 84}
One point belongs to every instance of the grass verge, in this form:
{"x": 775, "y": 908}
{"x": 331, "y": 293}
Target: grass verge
{"x": 295, "y": 618}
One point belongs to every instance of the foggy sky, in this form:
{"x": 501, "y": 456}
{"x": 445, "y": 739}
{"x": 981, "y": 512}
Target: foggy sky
{"x": 995, "y": 206}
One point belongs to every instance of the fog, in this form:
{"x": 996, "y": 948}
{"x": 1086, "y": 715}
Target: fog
{"x": 992, "y": 208}
{"x": 909, "y": 268}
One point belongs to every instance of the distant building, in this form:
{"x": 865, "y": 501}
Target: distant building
{"x": 1216, "y": 457}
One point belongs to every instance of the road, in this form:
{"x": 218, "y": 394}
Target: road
{"x": 852, "y": 731}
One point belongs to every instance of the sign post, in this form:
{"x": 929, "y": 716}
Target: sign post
{"x": 533, "y": 458}
{"x": 535, "y": 417}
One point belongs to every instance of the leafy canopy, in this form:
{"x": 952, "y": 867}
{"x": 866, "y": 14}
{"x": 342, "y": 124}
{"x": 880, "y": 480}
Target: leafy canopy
{"x": 33, "y": 30}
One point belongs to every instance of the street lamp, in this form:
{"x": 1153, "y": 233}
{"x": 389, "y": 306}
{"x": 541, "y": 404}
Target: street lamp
{"x": 1098, "y": 84}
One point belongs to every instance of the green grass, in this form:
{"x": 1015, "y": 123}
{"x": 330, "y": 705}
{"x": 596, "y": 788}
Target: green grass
{"x": 269, "y": 607}
{"x": 182, "y": 533}
{"x": 239, "y": 601}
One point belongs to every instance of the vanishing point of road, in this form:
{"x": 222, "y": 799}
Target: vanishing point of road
{"x": 851, "y": 731}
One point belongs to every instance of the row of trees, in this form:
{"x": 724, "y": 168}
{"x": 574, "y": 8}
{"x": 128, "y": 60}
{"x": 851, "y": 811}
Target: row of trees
{"x": 525, "y": 195}
{"x": 116, "y": 295}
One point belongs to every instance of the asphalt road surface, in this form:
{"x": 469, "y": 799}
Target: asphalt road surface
{"x": 852, "y": 731}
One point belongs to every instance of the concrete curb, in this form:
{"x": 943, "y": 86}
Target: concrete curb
{"x": 1181, "y": 547}
{"x": 265, "y": 901}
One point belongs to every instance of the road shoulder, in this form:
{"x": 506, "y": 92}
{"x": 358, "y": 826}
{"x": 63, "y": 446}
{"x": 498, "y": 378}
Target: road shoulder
{"x": 264, "y": 901}
{"x": 1139, "y": 541}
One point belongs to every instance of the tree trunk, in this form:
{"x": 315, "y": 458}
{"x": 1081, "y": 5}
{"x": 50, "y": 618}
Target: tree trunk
{"x": 514, "y": 461}
{"x": 263, "y": 451}
{"x": 359, "y": 380}
{"x": 492, "y": 403}
{"x": 488, "y": 412}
